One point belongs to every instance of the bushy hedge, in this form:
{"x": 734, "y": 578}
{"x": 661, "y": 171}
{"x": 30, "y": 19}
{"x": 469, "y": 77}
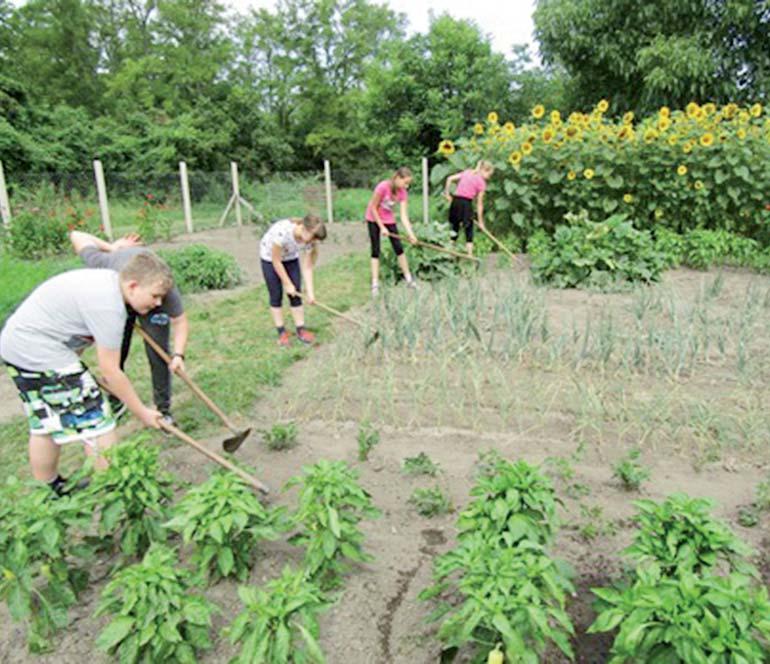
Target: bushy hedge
{"x": 701, "y": 167}
{"x": 196, "y": 268}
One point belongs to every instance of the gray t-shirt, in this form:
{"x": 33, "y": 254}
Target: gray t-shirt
{"x": 115, "y": 260}
{"x": 62, "y": 316}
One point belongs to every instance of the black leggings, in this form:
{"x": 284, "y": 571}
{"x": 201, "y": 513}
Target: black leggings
{"x": 374, "y": 237}
{"x": 275, "y": 285}
{"x": 461, "y": 212}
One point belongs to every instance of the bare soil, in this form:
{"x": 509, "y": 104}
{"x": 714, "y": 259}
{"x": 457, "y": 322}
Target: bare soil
{"x": 378, "y": 618}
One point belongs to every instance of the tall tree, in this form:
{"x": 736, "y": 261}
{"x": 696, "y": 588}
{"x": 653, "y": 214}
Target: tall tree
{"x": 645, "y": 54}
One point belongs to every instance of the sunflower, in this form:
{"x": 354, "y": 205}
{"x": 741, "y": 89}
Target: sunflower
{"x": 588, "y": 173}
{"x": 664, "y": 123}
{"x": 575, "y": 118}
{"x": 673, "y": 139}
{"x": 492, "y": 117}
{"x": 625, "y": 132}
{"x": 729, "y": 111}
{"x": 538, "y": 112}
{"x": 514, "y": 158}
{"x": 665, "y": 112}
{"x": 547, "y": 135}
{"x": 628, "y": 117}
{"x": 602, "y": 106}
{"x": 692, "y": 110}
{"x": 526, "y": 147}
{"x": 555, "y": 117}
{"x": 756, "y": 110}
{"x": 707, "y": 140}
{"x": 446, "y": 147}
{"x": 741, "y": 133}
{"x": 681, "y": 169}
{"x": 698, "y": 185}
{"x": 744, "y": 117}
{"x": 571, "y": 175}
{"x": 709, "y": 109}
{"x": 509, "y": 128}
{"x": 650, "y": 135}
{"x": 572, "y": 131}
{"x": 687, "y": 147}
{"x": 628, "y": 198}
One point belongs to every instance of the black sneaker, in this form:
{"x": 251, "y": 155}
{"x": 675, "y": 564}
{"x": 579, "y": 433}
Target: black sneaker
{"x": 119, "y": 409}
{"x": 60, "y": 486}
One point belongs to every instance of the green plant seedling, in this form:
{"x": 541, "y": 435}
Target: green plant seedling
{"x": 282, "y": 436}
{"x": 594, "y": 523}
{"x": 630, "y": 472}
{"x": 156, "y": 616}
{"x": 368, "y": 437}
{"x": 430, "y": 502}
{"x": 421, "y": 464}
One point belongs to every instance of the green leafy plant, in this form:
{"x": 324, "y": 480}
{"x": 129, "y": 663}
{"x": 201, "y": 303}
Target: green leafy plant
{"x": 155, "y": 615}
{"x": 430, "y": 502}
{"x": 686, "y": 618}
{"x": 630, "y": 472}
{"x": 594, "y": 524}
{"x": 670, "y": 245}
{"x": 197, "y": 268}
{"x": 38, "y": 549}
{"x": 421, "y": 464}
{"x": 368, "y": 437}
{"x": 225, "y": 522}
{"x": 281, "y": 436}
{"x": 35, "y": 233}
{"x": 425, "y": 264}
{"x": 132, "y": 496}
{"x": 603, "y": 255}
{"x": 512, "y": 503}
{"x": 331, "y": 504}
{"x": 680, "y": 534}
{"x": 510, "y": 595}
{"x": 279, "y": 625}
{"x": 151, "y": 223}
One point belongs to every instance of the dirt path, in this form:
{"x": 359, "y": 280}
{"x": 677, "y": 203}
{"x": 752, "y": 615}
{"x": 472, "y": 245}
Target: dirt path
{"x": 243, "y": 244}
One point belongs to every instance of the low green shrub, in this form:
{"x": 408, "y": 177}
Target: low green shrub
{"x": 604, "y": 255}
{"x": 425, "y": 264}
{"x": 198, "y": 268}
{"x": 156, "y": 616}
{"x": 707, "y": 248}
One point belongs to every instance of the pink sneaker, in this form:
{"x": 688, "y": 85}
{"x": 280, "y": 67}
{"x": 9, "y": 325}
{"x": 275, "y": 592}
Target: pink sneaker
{"x": 283, "y": 339}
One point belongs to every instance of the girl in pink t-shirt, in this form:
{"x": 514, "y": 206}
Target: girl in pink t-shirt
{"x": 471, "y": 184}
{"x": 380, "y": 220}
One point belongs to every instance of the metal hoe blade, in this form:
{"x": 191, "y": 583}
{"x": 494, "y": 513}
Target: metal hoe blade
{"x": 234, "y": 442}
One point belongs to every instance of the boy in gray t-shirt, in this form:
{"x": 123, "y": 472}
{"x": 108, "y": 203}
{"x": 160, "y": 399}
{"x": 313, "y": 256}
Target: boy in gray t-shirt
{"x": 41, "y": 344}
{"x": 97, "y": 253}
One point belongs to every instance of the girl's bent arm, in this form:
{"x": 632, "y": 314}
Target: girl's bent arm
{"x": 480, "y": 208}
{"x": 407, "y": 223}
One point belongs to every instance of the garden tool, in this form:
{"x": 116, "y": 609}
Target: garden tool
{"x": 500, "y": 245}
{"x": 253, "y": 481}
{"x": 436, "y": 247}
{"x": 229, "y": 444}
{"x": 336, "y": 312}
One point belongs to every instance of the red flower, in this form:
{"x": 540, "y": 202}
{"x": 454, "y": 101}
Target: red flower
{"x": 150, "y": 197}
{"x": 70, "y": 227}
{"x": 767, "y": 207}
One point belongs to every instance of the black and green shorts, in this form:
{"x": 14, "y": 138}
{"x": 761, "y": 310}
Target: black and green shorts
{"x": 66, "y": 405}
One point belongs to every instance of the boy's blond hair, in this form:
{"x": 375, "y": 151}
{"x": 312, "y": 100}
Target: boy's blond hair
{"x": 146, "y": 268}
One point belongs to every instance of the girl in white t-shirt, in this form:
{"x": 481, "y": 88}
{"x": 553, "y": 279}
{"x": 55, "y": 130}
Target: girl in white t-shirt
{"x": 288, "y": 252}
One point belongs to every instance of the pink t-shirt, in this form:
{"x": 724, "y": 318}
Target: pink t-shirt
{"x": 387, "y": 203}
{"x": 470, "y": 184}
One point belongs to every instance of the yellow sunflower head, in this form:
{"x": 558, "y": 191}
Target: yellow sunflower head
{"x": 572, "y": 131}
{"x": 588, "y": 173}
{"x": 741, "y": 133}
{"x": 628, "y": 198}
{"x": 478, "y": 129}
{"x": 446, "y": 147}
{"x": 729, "y": 111}
{"x": 538, "y": 112}
{"x": 664, "y": 123}
{"x": 744, "y": 117}
{"x": 492, "y": 117}
{"x": 756, "y": 110}
{"x": 514, "y": 158}
{"x": 509, "y": 128}
{"x": 698, "y": 185}
{"x": 673, "y": 139}
{"x": 650, "y": 135}
{"x": 555, "y": 117}
{"x": 526, "y": 147}
{"x": 707, "y": 140}
{"x": 709, "y": 109}
{"x": 665, "y": 112}
{"x": 681, "y": 169}
{"x": 602, "y": 106}
{"x": 628, "y": 117}
{"x": 687, "y": 147}
{"x": 547, "y": 135}
{"x": 692, "y": 110}
{"x": 571, "y": 175}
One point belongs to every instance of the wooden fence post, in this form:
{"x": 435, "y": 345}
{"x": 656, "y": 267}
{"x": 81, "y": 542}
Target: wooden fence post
{"x": 188, "y": 222}
{"x": 425, "y": 191}
{"x": 101, "y": 191}
{"x": 236, "y": 192}
{"x": 5, "y": 208}
{"x": 328, "y": 181}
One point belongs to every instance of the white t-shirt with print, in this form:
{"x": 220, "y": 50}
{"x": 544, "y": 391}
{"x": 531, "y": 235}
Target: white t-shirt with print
{"x": 281, "y": 233}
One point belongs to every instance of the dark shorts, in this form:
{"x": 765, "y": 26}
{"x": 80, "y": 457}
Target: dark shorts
{"x": 374, "y": 239}
{"x": 275, "y": 285}
{"x": 66, "y": 405}
{"x": 461, "y": 212}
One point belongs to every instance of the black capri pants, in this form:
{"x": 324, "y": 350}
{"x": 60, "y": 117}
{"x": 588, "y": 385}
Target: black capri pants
{"x": 461, "y": 212}
{"x": 374, "y": 238}
{"x": 275, "y": 285}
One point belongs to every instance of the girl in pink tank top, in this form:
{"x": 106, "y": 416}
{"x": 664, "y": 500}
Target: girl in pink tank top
{"x": 471, "y": 184}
